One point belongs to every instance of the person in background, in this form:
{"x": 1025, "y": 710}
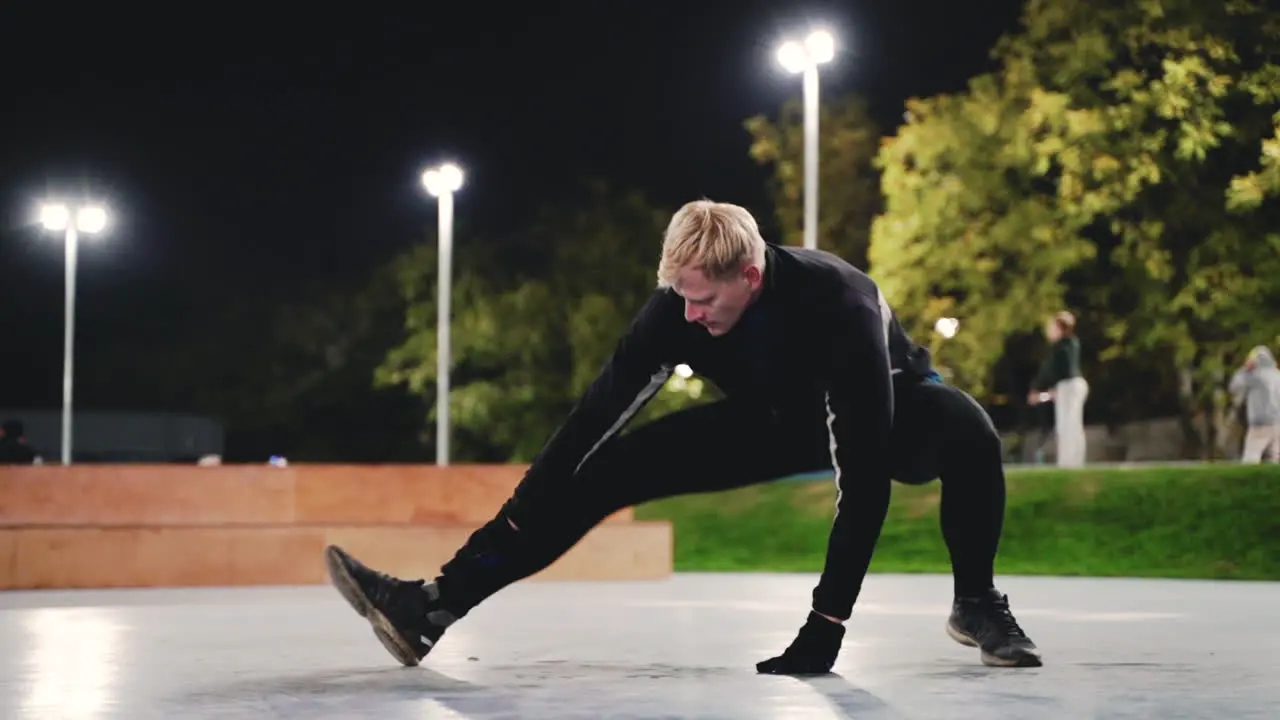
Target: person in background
{"x": 1059, "y": 380}
{"x": 1257, "y": 386}
{"x": 14, "y": 447}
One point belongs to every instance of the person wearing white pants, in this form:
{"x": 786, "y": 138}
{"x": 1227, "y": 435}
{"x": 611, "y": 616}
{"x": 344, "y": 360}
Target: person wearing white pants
{"x": 1059, "y": 380}
{"x": 1068, "y": 420}
{"x": 1256, "y": 385}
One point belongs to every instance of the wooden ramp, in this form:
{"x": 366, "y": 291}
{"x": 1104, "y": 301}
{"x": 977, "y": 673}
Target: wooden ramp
{"x": 95, "y": 526}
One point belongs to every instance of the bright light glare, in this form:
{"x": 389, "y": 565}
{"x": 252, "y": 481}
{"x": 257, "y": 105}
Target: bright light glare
{"x": 792, "y": 57}
{"x": 54, "y": 216}
{"x": 684, "y": 371}
{"x": 821, "y": 46}
{"x": 57, "y": 216}
{"x": 71, "y": 659}
{"x": 946, "y": 327}
{"x": 445, "y": 179}
{"x": 91, "y": 219}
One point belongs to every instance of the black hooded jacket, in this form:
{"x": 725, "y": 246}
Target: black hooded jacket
{"x": 819, "y": 341}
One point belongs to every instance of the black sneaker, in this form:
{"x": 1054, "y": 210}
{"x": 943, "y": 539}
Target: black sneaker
{"x": 987, "y": 623}
{"x": 405, "y": 614}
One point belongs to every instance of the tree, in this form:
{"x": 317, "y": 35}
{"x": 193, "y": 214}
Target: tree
{"x": 968, "y": 229}
{"x": 527, "y": 345}
{"x": 1117, "y": 148}
{"x": 291, "y": 377}
{"x": 1180, "y": 178}
{"x": 848, "y": 193}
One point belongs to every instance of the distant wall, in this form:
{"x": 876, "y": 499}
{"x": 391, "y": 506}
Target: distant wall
{"x": 1141, "y": 441}
{"x": 163, "y": 525}
{"x": 121, "y": 436}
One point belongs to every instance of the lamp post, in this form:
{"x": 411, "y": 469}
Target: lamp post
{"x": 442, "y": 182}
{"x": 88, "y": 219}
{"x": 796, "y": 57}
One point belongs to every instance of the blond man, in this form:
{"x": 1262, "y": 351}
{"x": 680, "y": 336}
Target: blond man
{"x": 818, "y": 375}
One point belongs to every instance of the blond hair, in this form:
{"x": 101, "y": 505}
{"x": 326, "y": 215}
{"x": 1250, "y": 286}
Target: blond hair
{"x": 717, "y": 238}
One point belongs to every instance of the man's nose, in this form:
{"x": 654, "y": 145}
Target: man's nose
{"x": 691, "y": 314}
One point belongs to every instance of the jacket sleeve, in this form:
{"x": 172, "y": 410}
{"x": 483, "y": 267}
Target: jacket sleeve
{"x": 1047, "y": 374}
{"x": 1055, "y": 368}
{"x": 635, "y": 371}
{"x": 860, "y": 407}
{"x": 1237, "y": 385}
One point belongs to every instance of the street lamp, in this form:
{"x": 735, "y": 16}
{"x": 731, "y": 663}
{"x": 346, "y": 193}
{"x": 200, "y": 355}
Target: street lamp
{"x": 442, "y": 182}
{"x": 89, "y": 219}
{"x": 946, "y": 327}
{"x": 796, "y": 57}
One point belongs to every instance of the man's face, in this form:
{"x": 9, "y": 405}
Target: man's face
{"x": 717, "y": 305}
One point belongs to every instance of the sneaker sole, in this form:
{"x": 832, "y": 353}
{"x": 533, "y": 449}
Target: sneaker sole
{"x": 350, "y": 591}
{"x": 1024, "y": 659}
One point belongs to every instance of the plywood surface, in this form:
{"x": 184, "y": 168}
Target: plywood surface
{"x": 202, "y": 556}
{"x": 165, "y": 495}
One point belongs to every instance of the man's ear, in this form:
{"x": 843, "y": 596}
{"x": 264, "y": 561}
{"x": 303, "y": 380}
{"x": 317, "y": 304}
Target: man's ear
{"x": 753, "y": 276}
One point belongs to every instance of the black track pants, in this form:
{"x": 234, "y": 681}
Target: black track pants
{"x": 939, "y": 432}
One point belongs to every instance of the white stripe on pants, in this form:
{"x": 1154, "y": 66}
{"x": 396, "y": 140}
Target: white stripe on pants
{"x": 1068, "y": 420}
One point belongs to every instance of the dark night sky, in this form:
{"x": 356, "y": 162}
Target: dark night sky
{"x": 281, "y": 143}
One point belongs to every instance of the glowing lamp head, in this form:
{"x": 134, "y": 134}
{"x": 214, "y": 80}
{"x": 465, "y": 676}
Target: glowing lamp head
{"x": 946, "y": 327}
{"x": 91, "y": 220}
{"x": 57, "y": 216}
{"x": 821, "y": 47}
{"x": 818, "y": 48}
{"x": 445, "y": 179}
{"x": 792, "y": 57}
{"x": 54, "y": 216}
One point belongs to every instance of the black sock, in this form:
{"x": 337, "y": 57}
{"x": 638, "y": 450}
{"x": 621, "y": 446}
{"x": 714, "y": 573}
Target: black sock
{"x": 973, "y": 593}
{"x": 972, "y": 585}
{"x": 437, "y": 613}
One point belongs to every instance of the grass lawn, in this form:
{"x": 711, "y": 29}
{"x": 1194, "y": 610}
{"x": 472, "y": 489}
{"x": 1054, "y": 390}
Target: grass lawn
{"x": 1210, "y": 521}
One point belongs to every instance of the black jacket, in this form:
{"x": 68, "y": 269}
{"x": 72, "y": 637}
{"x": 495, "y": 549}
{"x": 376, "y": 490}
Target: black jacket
{"x": 1062, "y": 363}
{"x": 820, "y": 341}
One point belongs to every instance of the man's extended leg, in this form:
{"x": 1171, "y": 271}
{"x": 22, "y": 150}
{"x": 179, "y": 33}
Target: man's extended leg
{"x": 939, "y": 431}
{"x": 711, "y": 447}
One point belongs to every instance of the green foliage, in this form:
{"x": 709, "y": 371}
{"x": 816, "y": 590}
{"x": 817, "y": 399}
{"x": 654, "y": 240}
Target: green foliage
{"x": 847, "y": 182}
{"x": 1178, "y": 522}
{"x": 1141, "y": 136}
{"x": 1187, "y": 94}
{"x": 968, "y": 231}
{"x": 526, "y": 346}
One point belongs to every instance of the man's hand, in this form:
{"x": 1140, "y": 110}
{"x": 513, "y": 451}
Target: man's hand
{"x": 813, "y": 652}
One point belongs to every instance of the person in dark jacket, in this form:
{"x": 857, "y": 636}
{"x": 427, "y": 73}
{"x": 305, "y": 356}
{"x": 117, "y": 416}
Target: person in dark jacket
{"x": 1059, "y": 381}
{"x": 818, "y": 373}
{"x": 14, "y": 447}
